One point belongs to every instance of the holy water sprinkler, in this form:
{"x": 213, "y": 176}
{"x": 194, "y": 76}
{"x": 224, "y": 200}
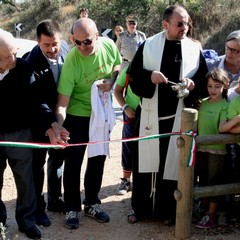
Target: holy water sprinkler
{"x": 180, "y": 88}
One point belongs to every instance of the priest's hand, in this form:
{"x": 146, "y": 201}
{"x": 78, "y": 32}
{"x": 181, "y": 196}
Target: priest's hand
{"x": 189, "y": 83}
{"x": 157, "y": 77}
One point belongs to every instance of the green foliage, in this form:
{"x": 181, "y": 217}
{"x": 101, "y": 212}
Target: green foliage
{"x": 212, "y": 19}
{"x": 217, "y": 40}
{"x": 34, "y": 14}
{"x": 7, "y": 9}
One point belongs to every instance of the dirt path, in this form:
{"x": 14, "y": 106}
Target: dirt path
{"x": 117, "y": 206}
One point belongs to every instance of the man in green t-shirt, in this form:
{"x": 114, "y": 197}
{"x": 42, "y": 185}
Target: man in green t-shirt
{"x": 93, "y": 58}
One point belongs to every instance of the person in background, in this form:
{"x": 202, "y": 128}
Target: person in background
{"x": 211, "y": 159}
{"x": 93, "y": 58}
{"x": 15, "y": 125}
{"x": 230, "y": 62}
{"x": 179, "y": 59}
{"x": 83, "y": 13}
{"x": 129, "y": 41}
{"x": 128, "y": 102}
{"x": 3, "y": 165}
{"x": 117, "y": 30}
{"x": 46, "y": 60}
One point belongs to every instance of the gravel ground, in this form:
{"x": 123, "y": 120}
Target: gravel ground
{"x": 117, "y": 206}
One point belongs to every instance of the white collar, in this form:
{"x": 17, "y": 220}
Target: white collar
{"x": 2, "y": 75}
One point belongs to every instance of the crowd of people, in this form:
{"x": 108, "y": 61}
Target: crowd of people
{"x": 66, "y": 94}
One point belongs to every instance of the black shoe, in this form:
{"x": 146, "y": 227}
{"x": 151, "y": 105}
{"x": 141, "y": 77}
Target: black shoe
{"x": 3, "y": 213}
{"x": 96, "y": 212}
{"x": 56, "y": 206}
{"x": 42, "y": 219}
{"x": 32, "y": 233}
{"x": 169, "y": 222}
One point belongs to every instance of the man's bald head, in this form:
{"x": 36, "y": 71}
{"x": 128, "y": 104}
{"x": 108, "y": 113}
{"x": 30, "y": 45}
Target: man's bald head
{"x": 6, "y": 40}
{"x": 85, "y": 25}
{"x": 85, "y": 36}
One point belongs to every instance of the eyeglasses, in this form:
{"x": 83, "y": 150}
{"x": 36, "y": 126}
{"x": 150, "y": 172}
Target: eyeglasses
{"x": 84, "y": 42}
{"x": 232, "y": 50}
{"x": 181, "y": 24}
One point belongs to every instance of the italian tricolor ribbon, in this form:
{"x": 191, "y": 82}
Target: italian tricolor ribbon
{"x": 190, "y": 161}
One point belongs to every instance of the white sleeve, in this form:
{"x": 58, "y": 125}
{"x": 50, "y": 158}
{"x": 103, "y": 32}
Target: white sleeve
{"x": 232, "y": 94}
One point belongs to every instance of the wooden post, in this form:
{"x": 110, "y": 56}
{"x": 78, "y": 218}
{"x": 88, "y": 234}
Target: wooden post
{"x": 184, "y": 194}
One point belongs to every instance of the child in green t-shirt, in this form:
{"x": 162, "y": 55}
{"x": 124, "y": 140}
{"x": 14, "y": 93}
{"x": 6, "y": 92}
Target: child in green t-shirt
{"x": 129, "y": 102}
{"x": 211, "y": 159}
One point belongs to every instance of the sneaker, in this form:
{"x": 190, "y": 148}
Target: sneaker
{"x": 71, "y": 220}
{"x": 96, "y": 212}
{"x": 123, "y": 187}
{"x": 208, "y": 221}
{"x": 56, "y": 206}
{"x": 42, "y": 219}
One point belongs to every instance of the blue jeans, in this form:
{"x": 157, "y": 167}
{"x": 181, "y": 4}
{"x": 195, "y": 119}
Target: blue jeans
{"x": 127, "y": 132}
{"x": 79, "y": 133}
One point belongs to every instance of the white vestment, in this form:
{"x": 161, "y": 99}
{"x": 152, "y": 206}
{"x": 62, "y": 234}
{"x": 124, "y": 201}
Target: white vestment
{"x": 149, "y": 158}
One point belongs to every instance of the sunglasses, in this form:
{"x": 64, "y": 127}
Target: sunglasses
{"x": 232, "y": 50}
{"x": 84, "y": 42}
{"x": 181, "y": 24}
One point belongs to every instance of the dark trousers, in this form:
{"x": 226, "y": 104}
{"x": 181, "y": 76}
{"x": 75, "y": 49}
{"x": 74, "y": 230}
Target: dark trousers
{"x": 233, "y": 163}
{"x": 20, "y": 162}
{"x": 54, "y": 162}
{"x": 79, "y": 133}
{"x": 164, "y": 205}
{"x": 127, "y": 132}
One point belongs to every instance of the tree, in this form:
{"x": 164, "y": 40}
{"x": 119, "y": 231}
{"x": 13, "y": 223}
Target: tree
{"x": 10, "y": 2}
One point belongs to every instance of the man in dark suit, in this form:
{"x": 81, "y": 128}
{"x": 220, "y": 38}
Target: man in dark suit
{"x": 46, "y": 59}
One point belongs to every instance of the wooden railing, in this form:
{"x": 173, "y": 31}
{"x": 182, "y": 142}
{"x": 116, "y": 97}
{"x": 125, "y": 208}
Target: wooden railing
{"x": 185, "y": 192}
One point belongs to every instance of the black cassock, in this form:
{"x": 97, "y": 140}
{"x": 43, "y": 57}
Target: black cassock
{"x": 140, "y": 82}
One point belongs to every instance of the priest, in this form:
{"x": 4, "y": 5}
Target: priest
{"x": 167, "y": 58}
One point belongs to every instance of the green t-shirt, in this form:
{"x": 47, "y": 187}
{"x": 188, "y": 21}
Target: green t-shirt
{"x": 234, "y": 108}
{"x": 209, "y": 117}
{"x": 80, "y": 72}
{"x": 131, "y": 99}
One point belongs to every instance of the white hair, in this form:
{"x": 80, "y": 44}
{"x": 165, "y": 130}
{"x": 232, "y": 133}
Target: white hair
{"x": 7, "y": 39}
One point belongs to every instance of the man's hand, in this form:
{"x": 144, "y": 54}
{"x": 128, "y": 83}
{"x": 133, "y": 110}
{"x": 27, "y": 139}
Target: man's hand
{"x": 157, "y": 77}
{"x": 106, "y": 85}
{"x": 58, "y": 134}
